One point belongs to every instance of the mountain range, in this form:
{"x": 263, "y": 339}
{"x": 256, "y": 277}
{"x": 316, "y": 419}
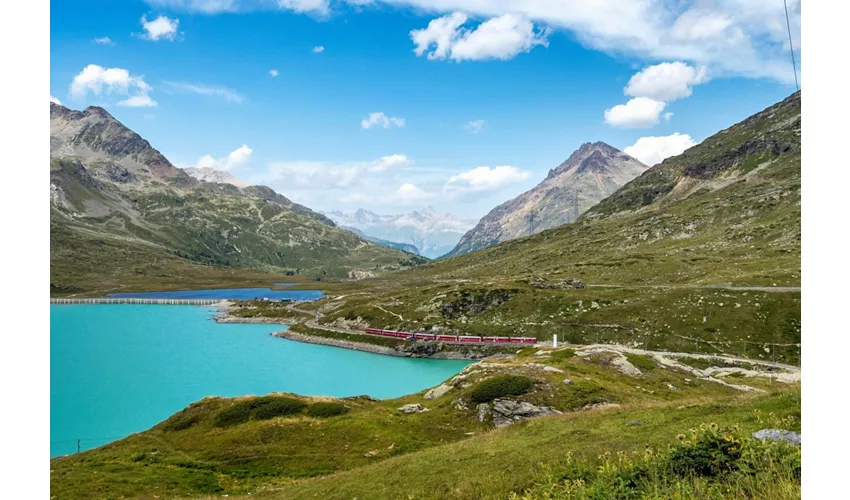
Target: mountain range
{"x": 120, "y": 212}
{"x": 593, "y": 172}
{"x": 432, "y": 233}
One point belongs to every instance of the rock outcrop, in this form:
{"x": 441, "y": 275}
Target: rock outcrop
{"x": 778, "y": 435}
{"x": 590, "y": 174}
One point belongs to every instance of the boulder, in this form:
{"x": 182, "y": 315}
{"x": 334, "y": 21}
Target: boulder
{"x": 568, "y": 381}
{"x": 508, "y": 411}
{"x": 552, "y": 369}
{"x": 413, "y": 408}
{"x": 634, "y": 422}
{"x": 778, "y": 435}
{"x": 438, "y": 391}
{"x": 483, "y": 411}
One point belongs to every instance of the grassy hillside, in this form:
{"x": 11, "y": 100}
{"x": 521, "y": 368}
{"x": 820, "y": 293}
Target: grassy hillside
{"x": 725, "y": 212}
{"x": 120, "y": 211}
{"x": 250, "y": 444}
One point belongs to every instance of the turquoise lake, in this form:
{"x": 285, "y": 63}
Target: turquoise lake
{"x": 120, "y": 369}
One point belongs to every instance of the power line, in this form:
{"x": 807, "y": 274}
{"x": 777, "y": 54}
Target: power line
{"x": 791, "y": 44}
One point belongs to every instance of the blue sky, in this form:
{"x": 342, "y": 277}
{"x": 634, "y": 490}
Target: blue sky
{"x": 479, "y": 98}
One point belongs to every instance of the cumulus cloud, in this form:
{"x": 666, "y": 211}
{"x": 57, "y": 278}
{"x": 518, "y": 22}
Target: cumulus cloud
{"x": 237, "y": 158}
{"x": 390, "y": 161}
{"x": 474, "y": 126}
{"x": 379, "y": 119}
{"x": 161, "y": 28}
{"x": 501, "y": 37}
{"x": 54, "y": 100}
{"x": 105, "y": 40}
{"x": 639, "y": 112}
{"x": 666, "y": 81}
{"x": 206, "y": 90}
{"x": 485, "y": 178}
{"x": 318, "y": 49}
{"x": 653, "y": 150}
{"x": 740, "y": 37}
{"x": 410, "y": 194}
{"x": 101, "y": 81}
{"x": 273, "y": 72}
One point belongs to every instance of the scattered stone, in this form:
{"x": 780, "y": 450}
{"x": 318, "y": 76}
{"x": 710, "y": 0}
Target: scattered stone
{"x": 413, "y": 408}
{"x": 778, "y": 435}
{"x": 370, "y": 454}
{"x": 563, "y": 284}
{"x": 468, "y": 433}
{"x": 598, "y": 406}
{"x": 438, "y": 391}
{"x": 363, "y": 396}
{"x": 454, "y": 382}
{"x": 594, "y": 305}
{"x": 568, "y": 381}
{"x": 552, "y": 369}
{"x": 483, "y": 411}
{"x": 634, "y": 422}
{"x": 390, "y": 447}
{"x": 460, "y": 404}
{"x": 508, "y": 411}
{"x": 672, "y": 387}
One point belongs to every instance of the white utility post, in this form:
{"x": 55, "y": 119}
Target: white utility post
{"x": 555, "y": 340}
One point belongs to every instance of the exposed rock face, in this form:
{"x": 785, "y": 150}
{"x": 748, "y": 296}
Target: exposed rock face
{"x": 438, "y": 391}
{"x": 508, "y": 411}
{"x": 778, "y": 435}
{"x": 413, "y": 408}
{"x": 590, "y": 174}
{"x": 482, "y": 411}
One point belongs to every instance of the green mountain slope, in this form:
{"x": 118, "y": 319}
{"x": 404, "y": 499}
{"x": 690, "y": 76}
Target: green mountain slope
{"x": 120, "y": 209}
{"x": 661, "y": 260}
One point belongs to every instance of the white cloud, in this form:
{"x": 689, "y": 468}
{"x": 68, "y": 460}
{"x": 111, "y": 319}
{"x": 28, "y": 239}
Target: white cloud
{"x": 54, "y": 100}
{"x": 206, "y": 90}
{"x": 639, "y": 112}
{"x": 666, "y": 81}
{"x": 237, "y": 158}
{"x": 501, "y": 37}
{"x": 739, "y": 37}
{"x": 390, "y": 161}
{"x": 318, "y": 49}
{"x": 379, "y": 119}
{"x": 652, "y": 150}
{"x": 105, "y": 40}
{"x": 409, "y": 194}
{"x": 100, "y": 81}
{"x": 485, "y": 178}
{"x": 667, "y": 116}
{"x": 138, "y": 101}
{"x": 273, "y": 72}
{"x": 160, "y": 28}
{"x": 474, "y": 126}
{"x": 319, "y": 175}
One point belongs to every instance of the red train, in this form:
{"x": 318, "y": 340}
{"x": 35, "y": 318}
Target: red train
{"x": 451, "y": 338}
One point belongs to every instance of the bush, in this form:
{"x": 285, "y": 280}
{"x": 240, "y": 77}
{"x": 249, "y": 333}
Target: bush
{"x": 272, "y": 406}
{"x": 503, "y": 385}
{"x": 641, "y": 362}
{"x": 262, "y": 408}
{"x": 324, "y": 410}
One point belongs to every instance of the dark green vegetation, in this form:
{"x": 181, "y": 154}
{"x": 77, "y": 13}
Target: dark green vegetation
{"x": 256, "y": 444}
{"x": 726, "y": 212}
{"x": 499, "y": 387}
{"x": 711, "y": 463}
{"x": 121, "y": 214}
{"x": 327, "y": 409}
